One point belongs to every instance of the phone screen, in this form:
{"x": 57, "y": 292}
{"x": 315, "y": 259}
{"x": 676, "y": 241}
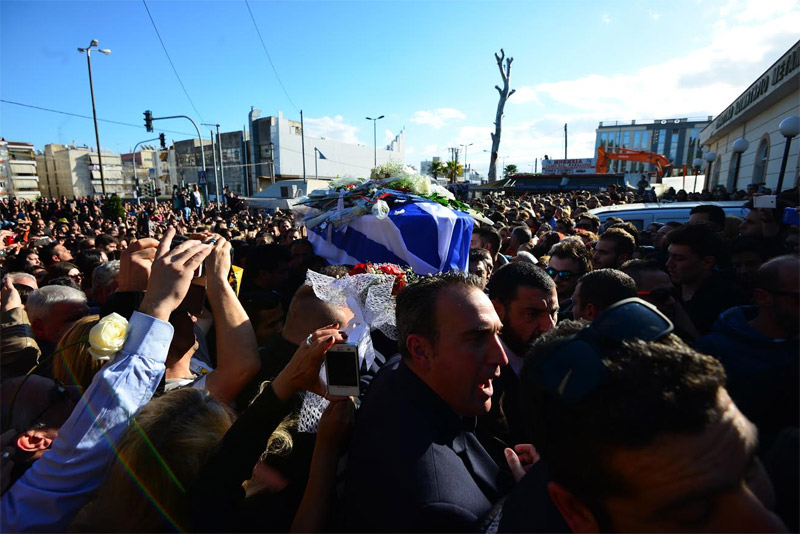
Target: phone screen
{"x": 342, "y": 368}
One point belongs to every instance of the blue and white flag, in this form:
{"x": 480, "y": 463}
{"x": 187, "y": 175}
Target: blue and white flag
{"x": 321, "y": 155}
{"x": 426, "y": 236}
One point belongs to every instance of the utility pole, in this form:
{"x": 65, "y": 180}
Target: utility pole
{"x": 221, "y": 165}
{"x": 565, "y": 140}
{"x": 303, "y": 146}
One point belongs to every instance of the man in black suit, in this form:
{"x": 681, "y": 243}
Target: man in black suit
{"x": 525, "y": 298}
{"x": 415, "y": 463}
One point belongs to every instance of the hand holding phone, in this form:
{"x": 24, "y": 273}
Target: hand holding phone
{"x": 302, "y": 371}
{"x": 341, "y": 370}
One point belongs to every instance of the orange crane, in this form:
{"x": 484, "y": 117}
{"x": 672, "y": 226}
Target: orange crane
{"x": 661, "y": 162}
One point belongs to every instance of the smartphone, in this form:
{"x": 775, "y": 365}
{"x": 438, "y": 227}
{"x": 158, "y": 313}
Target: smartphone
{"x": 341, "y": 370}
{"x": 764, "y": 201}
{"x": 177, "y": 240}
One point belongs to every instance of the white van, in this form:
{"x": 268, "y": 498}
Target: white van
{"x": 642, "y": 214}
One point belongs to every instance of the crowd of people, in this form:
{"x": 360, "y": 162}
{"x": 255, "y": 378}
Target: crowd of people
{"x": 156, "y": 359}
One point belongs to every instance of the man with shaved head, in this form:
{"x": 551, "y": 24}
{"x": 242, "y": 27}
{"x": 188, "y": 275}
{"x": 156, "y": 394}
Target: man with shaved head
{"x": 757, "y": 345}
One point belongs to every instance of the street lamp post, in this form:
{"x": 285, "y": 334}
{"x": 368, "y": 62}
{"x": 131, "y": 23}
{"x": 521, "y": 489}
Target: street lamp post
{"x": 696, "y": 164}
{"x": 739, "y": 146}
{"x": 88, "y": 51}
{"x": 465, "y": 158}
{"x": 375, "y": 136}
{"x": 789, "y": 128}
{"x": 709, "y": 157}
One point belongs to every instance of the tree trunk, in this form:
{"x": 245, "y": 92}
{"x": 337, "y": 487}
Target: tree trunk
{"x": 505, "y": 73}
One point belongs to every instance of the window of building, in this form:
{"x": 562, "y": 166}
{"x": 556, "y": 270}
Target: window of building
{"x": 626, "y": 139}
{"x": 662, "y": 138}
{"x": 673, "y": 147}
{"x": 762, "y": 158}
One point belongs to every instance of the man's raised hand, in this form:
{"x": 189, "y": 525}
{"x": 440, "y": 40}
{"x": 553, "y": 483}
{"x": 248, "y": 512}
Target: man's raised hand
{"x": 171, "y": 275}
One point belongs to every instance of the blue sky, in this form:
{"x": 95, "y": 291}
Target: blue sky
{"x": 427, "y": 66}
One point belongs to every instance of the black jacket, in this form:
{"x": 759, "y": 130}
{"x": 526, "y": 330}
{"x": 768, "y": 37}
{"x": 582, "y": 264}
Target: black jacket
{"x": 415, "y": 465}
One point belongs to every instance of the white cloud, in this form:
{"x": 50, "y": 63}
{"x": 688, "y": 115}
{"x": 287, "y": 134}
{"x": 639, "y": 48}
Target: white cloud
{"x": 697, "y": 84}
{"x": 605, "y": 18}
{"x": 524, "y": 95}
{"x": 655, "y": 15}
{"x": 410, "y": 151}
{"x": 437, "y": 118}
{"x": 334, "y": 129}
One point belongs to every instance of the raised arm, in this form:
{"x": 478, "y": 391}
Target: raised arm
{"x": 237, "y": 348}
{"x": 49, "y": 494}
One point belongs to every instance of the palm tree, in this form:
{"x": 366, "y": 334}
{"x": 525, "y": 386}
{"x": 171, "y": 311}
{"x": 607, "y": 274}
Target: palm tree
{"x": 436, "y": 169}
{"x": 453, "y": 170}
{"x": 510, "y": 170}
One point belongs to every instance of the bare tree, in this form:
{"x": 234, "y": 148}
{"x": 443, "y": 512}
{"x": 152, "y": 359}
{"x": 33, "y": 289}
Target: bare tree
{"x": 505, "y": 73}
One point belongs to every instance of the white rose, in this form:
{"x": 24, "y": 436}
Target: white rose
{"x": 107, "y": 337}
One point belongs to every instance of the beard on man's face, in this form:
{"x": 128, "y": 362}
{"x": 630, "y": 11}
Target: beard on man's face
{"x": 515, "y": 342}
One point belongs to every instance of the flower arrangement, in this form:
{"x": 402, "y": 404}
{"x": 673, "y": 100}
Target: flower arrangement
{"x": 390, "y": 184}
{"x": 401, "y": 275}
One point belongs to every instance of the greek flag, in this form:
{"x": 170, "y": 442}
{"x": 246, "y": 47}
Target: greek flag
{"x": 426, "y": 236}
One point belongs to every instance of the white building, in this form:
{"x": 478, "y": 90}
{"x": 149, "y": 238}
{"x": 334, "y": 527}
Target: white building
{"x": 75, "y": 171}
{"x": 755, "y": 116}
{"x": 18, "y": 176}
{"x": 277, "y": 149}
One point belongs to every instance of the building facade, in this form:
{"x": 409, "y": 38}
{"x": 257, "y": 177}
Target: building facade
{"x": 75, "y": 171}
{"x": 151, "y": 164}
{"x": 18, "y": 175}
{"x": 277, "y": 153}
{"x": 677, "y": 139}
{"x": 755, "y": 117}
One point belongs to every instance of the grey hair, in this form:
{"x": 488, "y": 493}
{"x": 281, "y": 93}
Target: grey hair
{"x": 104, "y": 274}
{"x": 21, "y": 276}
{"x": 41, "y": 301}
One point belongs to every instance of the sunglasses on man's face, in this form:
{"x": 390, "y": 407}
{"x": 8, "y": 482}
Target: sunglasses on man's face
{"x": 564, "y": 275}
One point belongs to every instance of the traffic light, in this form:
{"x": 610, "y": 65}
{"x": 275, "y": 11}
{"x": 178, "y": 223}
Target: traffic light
{"x": 163, "y": 140}
{"x": 158, "y": 191}
{"x": 148, "y": 120}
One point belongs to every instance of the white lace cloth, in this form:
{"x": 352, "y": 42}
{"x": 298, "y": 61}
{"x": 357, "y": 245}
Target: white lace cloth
{"x": 369, "y": 297}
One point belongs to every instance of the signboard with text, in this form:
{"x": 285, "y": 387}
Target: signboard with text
{"x": 568, "y": 166}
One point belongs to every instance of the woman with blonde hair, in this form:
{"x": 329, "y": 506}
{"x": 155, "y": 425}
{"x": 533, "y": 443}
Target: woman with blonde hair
{"x": 72, "y": 363}
{"x": 158, "y": 459}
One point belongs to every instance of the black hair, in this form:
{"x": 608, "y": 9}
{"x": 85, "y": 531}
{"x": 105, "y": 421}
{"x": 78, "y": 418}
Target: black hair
{"x": 604, "y": 287}
{"x": 651, "y": 389}
{"x": 624, "y": 242}
{"x": 416, "y": 305}
{"x": 573, "y": 249}
{"x": 490, "y": 236}
{"x": 702, "y": 239}
{"x": 265, "y": 258}
{"x": 715, "y": 214}
{"x": 505, "y": 281}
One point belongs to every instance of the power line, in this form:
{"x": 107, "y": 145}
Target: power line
{"x": 268, "y": 57}
{"x": 170, "y": 62}
{"x": 86, "y": 116}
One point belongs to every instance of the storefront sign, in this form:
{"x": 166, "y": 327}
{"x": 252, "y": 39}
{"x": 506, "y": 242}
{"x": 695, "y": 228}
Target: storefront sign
{"x": 568, "y": 166}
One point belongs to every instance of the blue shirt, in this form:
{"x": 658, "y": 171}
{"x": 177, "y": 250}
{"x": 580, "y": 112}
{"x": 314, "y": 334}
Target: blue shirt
{"x": 50, "y": 493}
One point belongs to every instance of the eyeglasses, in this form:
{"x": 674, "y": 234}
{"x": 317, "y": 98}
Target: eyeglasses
{"x": 659, "y": 295}
{"x": 564, "y": 275}
{"x": 574, "y": 368}
{"x": 76, "y": 277}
